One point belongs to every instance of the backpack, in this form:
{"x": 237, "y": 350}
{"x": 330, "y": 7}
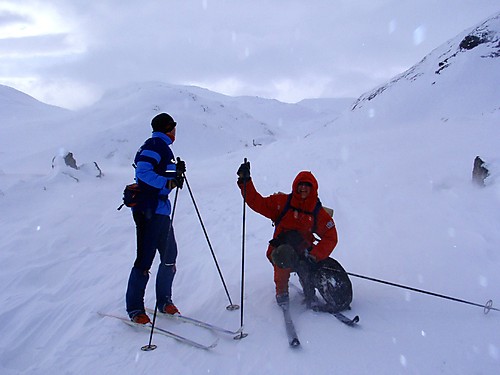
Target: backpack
{"x": 333, "y": 283}
{"x": 314, "y": 212}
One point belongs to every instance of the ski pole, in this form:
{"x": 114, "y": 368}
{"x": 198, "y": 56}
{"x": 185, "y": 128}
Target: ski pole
{"x": 487, "y": 306}
{"x": 243, "y": 335}
{"x": 231, "y": 305}
{"x": 150, "y": 347}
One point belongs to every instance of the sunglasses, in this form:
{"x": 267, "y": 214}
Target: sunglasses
{"x": 304, "y": 184}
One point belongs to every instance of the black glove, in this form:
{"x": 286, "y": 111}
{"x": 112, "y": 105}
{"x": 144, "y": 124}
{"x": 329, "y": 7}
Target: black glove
{"x": 244, "y": 172}
{"x": 180, "y": 167}
{"x": 311, "y": 259}
{"x": 177, "y": 182}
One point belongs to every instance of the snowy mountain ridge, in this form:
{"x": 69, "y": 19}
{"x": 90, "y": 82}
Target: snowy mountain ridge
{"x": 209, "y": 122}
{"x": 18, "y": 106}
{"x": 470, "y": 62}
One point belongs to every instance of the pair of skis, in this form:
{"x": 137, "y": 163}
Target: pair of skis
{"x": 180, "y": 338}
{"x": 196, "y": 322}
{"x": 293, "y": 338}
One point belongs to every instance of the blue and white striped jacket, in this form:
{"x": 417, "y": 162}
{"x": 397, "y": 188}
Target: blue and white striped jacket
{"x": 155, "y": 166}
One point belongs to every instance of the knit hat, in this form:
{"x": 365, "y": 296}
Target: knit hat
{"x": 163, "y": 123}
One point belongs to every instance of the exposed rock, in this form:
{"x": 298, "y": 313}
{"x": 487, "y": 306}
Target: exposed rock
{"x": 65, "y": 164}
{"x": 70, "y": 160}
{"x": 479, "y": 172}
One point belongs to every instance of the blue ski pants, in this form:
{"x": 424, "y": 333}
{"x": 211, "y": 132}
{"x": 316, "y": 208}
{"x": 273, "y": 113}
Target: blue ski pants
{"x": 154, "y": 233}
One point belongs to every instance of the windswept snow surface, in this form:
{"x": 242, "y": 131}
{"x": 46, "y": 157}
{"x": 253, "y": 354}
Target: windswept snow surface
{"x": 405, "y": 208}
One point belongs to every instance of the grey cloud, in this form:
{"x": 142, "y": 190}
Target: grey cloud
{"x": 43, "y": 44}
{"x": 343, "y": 46}
{"x": 12, "y": 18}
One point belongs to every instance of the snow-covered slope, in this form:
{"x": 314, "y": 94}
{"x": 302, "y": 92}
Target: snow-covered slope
{"x": 17, "y": 106}
{"x": 469, "y": 63}
{"x": 206, "y": 125}
{"x": 405, "y": 209}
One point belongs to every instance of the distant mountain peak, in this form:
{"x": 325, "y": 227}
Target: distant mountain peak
{"x": 487, "y": 33}
{"x": 15, "y": 105}
{"x": 465, "y": 70}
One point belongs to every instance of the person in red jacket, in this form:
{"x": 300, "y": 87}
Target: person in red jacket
{"x": 304, "y": 235}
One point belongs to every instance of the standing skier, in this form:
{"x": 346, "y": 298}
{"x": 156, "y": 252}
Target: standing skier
{"x": 298, "y": 218}
{"x": 157, "y": 175}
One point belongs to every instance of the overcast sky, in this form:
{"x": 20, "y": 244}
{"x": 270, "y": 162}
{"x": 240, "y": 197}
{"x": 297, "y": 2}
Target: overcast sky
{"x": 68, "y": 52}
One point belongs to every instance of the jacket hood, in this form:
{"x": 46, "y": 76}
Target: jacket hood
{"x": 310, "y": 202}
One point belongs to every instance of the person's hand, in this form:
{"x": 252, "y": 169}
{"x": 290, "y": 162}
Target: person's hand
{"x": 244, "y": 172}
{"x": 311, "y": 259}
{"x": 180, "y": 167}
{"x": 177, "y": 182}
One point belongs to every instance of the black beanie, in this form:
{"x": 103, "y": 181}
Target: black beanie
{"x": 163, "y": 123}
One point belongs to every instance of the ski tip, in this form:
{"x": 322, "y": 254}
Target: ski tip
{"x": 213, "y": 345}
{"x": 353, "y": 322}
{"x": 295, "y": 343}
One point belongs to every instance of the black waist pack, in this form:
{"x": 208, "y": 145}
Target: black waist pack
{"x": 132, "y": 196}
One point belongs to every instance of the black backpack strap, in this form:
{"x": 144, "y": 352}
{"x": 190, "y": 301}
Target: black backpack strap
{"x": 315, "y": 212}
{"x": 283, "y": 211}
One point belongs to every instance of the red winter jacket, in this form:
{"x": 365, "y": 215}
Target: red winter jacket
{"x": 295, "y": 219}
